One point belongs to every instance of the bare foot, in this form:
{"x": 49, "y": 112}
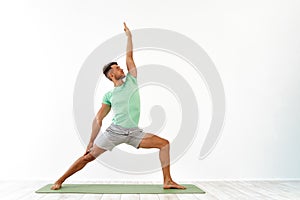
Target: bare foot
{"x": 172, "y": 185}
{"x": 56, "y": 186}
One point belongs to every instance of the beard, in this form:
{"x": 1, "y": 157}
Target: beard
{"x": 121, "y": 77}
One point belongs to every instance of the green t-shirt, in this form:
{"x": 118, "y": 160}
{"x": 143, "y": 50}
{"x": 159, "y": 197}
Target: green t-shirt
{"x": 125, "y": 103}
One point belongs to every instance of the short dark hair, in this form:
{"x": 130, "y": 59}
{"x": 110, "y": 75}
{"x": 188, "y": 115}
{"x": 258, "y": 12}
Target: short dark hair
{"x": 107, "y": 67}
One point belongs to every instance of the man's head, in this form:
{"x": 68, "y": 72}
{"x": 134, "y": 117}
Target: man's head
{"x": 113, "y": 71}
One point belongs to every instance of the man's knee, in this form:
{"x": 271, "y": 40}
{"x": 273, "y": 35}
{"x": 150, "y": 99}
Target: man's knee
{"x": 88, "y": 157}
{"x": 164, "y": 143}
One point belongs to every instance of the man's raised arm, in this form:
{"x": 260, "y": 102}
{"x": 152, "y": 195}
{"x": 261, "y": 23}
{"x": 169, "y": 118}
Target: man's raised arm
{"x": 129, "y": 54}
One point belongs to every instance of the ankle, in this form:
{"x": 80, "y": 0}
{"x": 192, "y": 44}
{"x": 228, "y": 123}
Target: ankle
{"x": 168, "y": 179}
{"x": 59, "y": 182}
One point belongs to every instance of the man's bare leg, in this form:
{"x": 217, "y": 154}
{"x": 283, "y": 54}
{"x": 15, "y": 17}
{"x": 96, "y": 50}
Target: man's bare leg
{"x": 78, "y": 165}
{"x": 153, "y": 141}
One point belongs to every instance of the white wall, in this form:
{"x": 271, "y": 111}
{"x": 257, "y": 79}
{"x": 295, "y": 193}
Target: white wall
{"x": 255, "y": 46}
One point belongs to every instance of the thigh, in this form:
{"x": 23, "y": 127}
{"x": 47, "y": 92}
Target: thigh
{"x": 152, "y": 141}
{"x": 108, "y": 140}
{"x": 96, "y": 151}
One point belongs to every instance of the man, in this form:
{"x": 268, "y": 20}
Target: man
{"x": 125, "y": 101}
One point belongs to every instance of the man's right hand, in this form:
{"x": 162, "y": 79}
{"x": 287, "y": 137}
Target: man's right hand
{"x": 88, "y": 148}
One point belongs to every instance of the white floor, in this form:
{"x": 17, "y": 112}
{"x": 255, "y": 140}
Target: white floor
{"x": 17, "y": 190}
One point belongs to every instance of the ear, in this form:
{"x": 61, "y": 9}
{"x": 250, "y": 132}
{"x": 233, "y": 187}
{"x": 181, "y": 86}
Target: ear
{"x": 111, "y": 75}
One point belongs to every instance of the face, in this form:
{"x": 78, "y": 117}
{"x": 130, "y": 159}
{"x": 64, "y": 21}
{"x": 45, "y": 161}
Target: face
{"x": 117, "y": 72}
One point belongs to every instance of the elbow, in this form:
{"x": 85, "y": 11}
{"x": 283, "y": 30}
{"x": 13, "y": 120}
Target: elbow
{"x": 129, "y": 56}
{"x": 98, "y": 121}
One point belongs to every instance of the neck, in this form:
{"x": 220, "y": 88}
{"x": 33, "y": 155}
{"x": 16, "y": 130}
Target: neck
{"x": 118, "y": 82}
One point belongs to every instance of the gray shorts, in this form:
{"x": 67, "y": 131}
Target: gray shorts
{"x": 115, "y": 135}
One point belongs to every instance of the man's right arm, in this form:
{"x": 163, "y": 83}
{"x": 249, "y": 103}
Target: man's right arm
{"x": 97, "y": 123}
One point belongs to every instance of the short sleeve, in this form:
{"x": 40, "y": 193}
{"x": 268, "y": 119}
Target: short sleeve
{"x": 106, "y": 98}
{"x": 131, "y": 78}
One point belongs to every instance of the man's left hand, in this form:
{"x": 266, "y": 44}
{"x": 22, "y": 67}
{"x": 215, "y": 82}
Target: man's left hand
{"x": 127, "y": 31}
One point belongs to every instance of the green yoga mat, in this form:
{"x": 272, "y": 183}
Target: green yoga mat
{"x": 120, "y": 189}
